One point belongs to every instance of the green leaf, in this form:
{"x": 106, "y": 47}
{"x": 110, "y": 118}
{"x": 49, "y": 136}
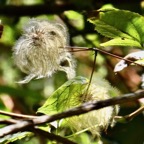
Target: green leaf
{"x": 108, "y": 30}
{"x": 75, "y": 18}
{"x": 13, "y": 137}
{"x": 140, "y": 62}
{"x": 115, "y": 23}
{"x": 60, "y": 98}
{"x": 121, "y": 42}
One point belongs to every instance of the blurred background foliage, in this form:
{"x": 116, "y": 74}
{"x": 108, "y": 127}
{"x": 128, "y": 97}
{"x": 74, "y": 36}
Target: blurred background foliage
{"x": 26, "y": 99}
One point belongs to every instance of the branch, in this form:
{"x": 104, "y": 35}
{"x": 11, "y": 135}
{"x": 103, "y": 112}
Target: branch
{"x": 36, "y": 130}
{"x": 78, "y": 49}
{"x": 84, "y": 108}
{"x": 52, "y": 136}
{"x": 129, "y": 117}
{"x": 33, "y": 10}
{"x": 20, "y": 116}
{"x": 8, "y": 121}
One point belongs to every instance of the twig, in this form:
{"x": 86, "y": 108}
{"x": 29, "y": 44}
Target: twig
{"x": 8, "y": 121}
{"x": 52, "y": 136}
{"x": 36, "y": 130}
{"x": 129, "y": 117}
{"x": 78, "y": 49}
{"x": 91, "y": 76}
{"x": 20, "y": 116}
{"x": 84, "y": 108}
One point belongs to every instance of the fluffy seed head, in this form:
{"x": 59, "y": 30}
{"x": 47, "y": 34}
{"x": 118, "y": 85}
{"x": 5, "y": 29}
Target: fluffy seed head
{"x": 40, "y": 51}
{"x": 97, "y": 120}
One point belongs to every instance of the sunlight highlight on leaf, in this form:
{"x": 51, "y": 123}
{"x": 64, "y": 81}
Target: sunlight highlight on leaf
{"x": 60, "y": 98}
{"x": 137, "y": 57}
{"x": 121, "y": 42}
{"x": 124, "y": 27}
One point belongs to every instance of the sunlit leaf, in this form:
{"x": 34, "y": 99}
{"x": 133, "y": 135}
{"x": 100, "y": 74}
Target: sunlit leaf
{"x": 136, "y": 57}
{"x": 140, "y": 62}
{"x": 8, "y": 35}
{"x": 124, "y": 27}
{"x": 121, "y": 42}
{"x": 108, "y": 30}
{"x": 75, "y": 18}
{"x": 60, "y": 98}
{"x": 13, "y": 137}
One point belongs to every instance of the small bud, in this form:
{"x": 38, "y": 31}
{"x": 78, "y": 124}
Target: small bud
{"x": 40, "y": 51}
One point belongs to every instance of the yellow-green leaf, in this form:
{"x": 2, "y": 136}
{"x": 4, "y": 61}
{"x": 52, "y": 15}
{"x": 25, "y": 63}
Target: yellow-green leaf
{"x": 121, "y": 42}
{"x": 60, "y": 98}
{"x": 115, "y": 23}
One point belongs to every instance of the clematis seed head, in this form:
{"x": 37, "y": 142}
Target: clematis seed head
{"x": 97, "y": 120}
{"x": 40, "y": 51}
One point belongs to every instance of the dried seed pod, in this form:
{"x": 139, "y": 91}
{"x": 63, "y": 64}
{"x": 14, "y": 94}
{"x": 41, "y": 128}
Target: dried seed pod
{"x": 40, "y": 51}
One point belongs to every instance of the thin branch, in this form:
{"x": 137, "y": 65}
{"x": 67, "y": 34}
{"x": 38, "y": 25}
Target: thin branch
{"x": 135, "y": 113}
{"x": 129, "y": 117}
{"x": 8, "y": 121}
{"x": 78, "y": 49}
{"x": 20, "y": 116}
{"x": 84, "y": 108}
{"x": 52, "y": 136}
{"x": 91, "y": 76}
{"x": 36, "y": 130}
